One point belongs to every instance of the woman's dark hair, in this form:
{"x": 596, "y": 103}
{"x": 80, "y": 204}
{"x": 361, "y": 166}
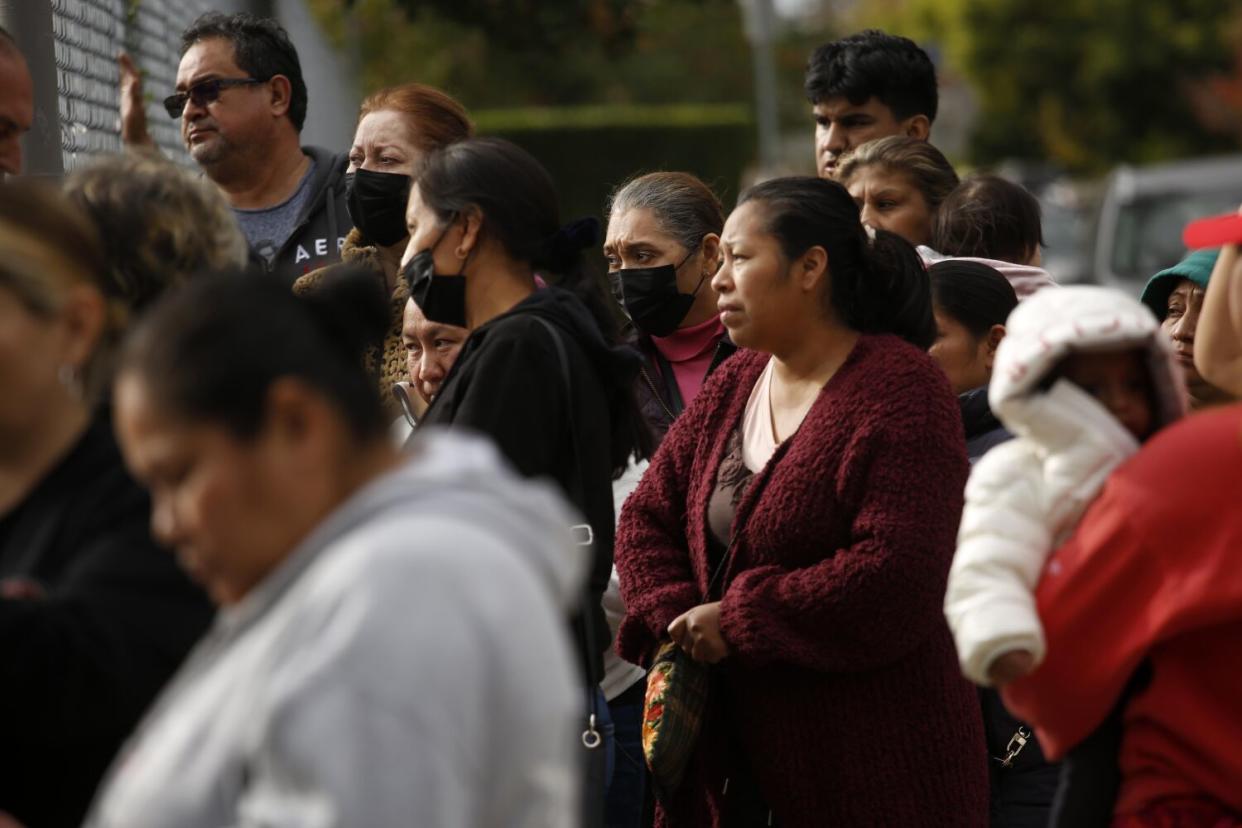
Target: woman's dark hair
{"x": 211, "y": 350}
{"x": 988, "y": 217}
{"x": 261, "y": 49}
{"x": 512, "y": 190}
{"x": 518, "y": 202}
{"x": 973, "y": 294}
{"x": 877, "y": 285}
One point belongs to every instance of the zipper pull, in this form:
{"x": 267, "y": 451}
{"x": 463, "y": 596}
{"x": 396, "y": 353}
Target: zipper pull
{"x": 1019, "y": 740}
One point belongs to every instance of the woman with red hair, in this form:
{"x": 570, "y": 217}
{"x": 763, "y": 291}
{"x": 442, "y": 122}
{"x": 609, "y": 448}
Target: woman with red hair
{"x": 397, "y": 128}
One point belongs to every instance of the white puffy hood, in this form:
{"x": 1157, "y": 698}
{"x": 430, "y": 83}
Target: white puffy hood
{"x": 1024, "y": 497}
{"x": 1042, "y": 331}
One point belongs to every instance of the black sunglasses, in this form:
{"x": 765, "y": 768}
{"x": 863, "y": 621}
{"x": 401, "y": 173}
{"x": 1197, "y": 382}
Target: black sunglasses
{"x": 203, "y": 93}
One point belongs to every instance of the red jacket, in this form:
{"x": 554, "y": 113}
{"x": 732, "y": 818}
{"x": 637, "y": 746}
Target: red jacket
{"x": 1153, "y": 571}
{"x": 842, "y": 684}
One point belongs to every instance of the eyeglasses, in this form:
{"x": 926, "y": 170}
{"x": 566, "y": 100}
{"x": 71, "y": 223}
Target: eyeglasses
{"x": 203, "y": 93}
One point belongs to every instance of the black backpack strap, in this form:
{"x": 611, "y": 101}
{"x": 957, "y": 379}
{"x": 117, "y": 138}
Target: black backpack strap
{"x": 586, "y": 535}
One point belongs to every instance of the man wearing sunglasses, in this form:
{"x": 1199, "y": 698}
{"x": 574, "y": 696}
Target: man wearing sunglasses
{"x": 241, "y": 101}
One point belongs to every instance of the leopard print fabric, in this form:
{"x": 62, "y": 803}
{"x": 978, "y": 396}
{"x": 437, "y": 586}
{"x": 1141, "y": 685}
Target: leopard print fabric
{"x": 386, "y": 365}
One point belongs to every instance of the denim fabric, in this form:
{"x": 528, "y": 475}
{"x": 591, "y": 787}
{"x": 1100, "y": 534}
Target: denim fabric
{"x": 598, "y": 769}
{"x": 624, "y": 805}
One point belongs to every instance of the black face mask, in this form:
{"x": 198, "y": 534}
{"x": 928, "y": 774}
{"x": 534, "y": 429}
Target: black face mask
{"x": 376, "y": 203}
{"x": 651, "y": 298}
{"x": 442, "y": 299}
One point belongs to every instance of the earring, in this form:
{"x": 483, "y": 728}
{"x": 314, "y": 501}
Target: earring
{"x": 459, "y": 253}
{"x": 70, "y": 379}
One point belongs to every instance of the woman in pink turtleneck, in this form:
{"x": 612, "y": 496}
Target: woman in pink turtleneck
{"x": 663, "y": 246}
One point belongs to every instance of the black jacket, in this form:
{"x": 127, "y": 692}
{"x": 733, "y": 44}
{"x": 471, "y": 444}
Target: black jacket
{"x": 1022, "y": 793}
{"x": 656, "y": 387}
{"x": 80, "y": 664}
{"x": 983, "y": 430}
{"x": 323, "y": 225}
{"x": 507, "y": 383}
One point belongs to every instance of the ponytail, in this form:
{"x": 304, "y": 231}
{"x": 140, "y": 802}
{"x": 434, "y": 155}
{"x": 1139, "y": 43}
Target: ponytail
{"x": 877, "y": 284}
{"x": 349, "y": 307}
{"x": 898, "y": 290}
{"x": 562, "y": 260}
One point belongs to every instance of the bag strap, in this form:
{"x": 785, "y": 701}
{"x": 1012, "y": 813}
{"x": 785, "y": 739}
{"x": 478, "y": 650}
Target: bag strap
{"x": 590, "y": 737}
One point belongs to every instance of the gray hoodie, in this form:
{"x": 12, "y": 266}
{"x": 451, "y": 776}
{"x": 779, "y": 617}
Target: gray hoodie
{"x": 408, "y": 664}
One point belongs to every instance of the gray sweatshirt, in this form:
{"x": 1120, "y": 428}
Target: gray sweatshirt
{"x": 408, "y": 664}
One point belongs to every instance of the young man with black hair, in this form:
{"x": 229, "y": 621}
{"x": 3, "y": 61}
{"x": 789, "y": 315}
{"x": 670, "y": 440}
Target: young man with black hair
{"x": 16, "y": 105}
{"x": 241, "y": 101}
{"x": 866, "y": 86}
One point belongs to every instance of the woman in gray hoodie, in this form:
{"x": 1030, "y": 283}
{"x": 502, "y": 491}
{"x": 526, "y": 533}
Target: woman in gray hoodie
{"x": 391, "y": 646}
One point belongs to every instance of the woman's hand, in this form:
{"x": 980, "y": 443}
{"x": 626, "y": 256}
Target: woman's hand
{"x": 698, "y": 633}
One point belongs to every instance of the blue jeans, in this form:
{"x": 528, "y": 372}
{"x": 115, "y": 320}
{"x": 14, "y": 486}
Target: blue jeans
{"x": 603, "y": 722}
{"x": 624, "y": 806}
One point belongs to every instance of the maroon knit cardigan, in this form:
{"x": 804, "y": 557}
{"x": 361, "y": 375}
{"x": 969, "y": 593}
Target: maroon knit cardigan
{"x": 842, "y": 683}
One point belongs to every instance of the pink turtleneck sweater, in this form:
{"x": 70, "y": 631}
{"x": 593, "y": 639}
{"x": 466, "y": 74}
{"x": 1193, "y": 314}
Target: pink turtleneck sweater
{"x": 689, "y": 351}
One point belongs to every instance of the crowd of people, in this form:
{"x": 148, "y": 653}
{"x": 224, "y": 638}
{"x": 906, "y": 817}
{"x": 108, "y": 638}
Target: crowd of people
{"x": 337, "y": 489}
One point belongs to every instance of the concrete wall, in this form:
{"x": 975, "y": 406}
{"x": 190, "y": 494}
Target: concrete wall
{"x": 331, "y": 81}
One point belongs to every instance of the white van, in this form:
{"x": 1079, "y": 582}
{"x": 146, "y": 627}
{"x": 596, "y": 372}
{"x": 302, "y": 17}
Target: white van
{"x": 1144, "y": 209}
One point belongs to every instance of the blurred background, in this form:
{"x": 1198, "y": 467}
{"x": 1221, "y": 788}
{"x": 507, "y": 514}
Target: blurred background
{"x": 1123, "y": 116}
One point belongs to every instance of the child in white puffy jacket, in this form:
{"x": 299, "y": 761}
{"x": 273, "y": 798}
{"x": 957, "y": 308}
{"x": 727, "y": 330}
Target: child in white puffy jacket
{"x": 1082, "y": 378}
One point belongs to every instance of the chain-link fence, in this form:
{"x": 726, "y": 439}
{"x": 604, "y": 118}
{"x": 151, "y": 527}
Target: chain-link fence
{"x": 88, "y": 36}
{"x": 71, "y": 48}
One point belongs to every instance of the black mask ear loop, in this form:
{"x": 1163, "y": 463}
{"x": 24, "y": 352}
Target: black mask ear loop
{"x": 702, "y": 278}
{"x": 407, "y": 272}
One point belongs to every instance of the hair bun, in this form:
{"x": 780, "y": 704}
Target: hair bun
{"x": 348, "y": 303}
{"x": 563, "y": 247}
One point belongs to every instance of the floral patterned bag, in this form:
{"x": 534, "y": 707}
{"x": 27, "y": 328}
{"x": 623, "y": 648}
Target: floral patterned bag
{"x": 677, "y": 690}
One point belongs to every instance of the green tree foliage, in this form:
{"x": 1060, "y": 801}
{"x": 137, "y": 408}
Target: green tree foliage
{"x": 538, "y": 53}
{"x": 597, "y": 89}
{"x": 1087, "y": 83}
{"x": 537, "y": 24}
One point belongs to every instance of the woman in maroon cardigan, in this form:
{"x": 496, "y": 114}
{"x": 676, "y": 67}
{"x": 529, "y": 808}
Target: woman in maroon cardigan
{"x": 820, "y": 473}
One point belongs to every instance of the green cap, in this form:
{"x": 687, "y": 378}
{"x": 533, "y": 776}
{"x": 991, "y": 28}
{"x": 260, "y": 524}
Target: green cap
{"x": 1197, "y": 267}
